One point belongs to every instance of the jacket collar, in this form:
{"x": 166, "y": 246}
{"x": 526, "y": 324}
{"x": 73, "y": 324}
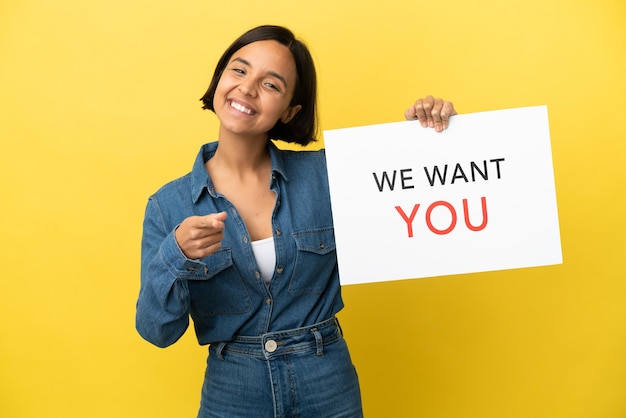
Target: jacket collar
{"x": 200, "y": 179}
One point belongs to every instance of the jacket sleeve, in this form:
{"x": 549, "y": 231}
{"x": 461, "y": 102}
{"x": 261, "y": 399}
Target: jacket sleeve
{"x": 162, "y": 315}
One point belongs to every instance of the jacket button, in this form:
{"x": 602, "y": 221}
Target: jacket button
{"x": 279, "y": 270}
{"x": 270, "y": 346}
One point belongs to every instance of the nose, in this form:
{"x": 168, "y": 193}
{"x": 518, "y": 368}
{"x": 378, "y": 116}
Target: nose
{"x": 248, "y": 87}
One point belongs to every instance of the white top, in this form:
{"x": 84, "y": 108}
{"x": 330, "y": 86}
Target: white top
{"x": 265, "y": 255}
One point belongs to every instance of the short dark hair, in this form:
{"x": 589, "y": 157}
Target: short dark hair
{"x": 302, "y": 129}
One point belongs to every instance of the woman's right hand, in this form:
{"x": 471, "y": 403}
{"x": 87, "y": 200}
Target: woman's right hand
{"x": 201, "y": 236}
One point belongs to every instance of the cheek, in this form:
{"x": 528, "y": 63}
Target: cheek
{"x": 219, "y": 91}
{"x": 223, "y": 86}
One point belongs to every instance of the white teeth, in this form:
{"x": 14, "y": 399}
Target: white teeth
{"x": 240, "y": 108}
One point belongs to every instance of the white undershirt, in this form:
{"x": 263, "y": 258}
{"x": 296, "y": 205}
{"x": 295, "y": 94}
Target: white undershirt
{"x": 265, "y": 255}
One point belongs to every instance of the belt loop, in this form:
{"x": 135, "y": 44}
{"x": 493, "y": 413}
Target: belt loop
{"x": 339, "y": 326}
{"x": 218, "y": 350}
{"x": 318, "y": 342}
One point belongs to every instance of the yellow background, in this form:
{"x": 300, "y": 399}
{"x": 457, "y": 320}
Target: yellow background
{"x": 99, "y": 107}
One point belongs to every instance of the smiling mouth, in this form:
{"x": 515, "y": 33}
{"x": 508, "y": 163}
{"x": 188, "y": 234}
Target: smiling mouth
{"x": 241, "y": 108}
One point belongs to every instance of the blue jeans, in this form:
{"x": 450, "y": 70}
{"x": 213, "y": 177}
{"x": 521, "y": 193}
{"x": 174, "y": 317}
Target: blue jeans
{"x": 305, "y": 373}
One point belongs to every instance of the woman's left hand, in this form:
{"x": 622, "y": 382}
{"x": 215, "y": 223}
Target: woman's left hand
{"x": 431, "y": 112}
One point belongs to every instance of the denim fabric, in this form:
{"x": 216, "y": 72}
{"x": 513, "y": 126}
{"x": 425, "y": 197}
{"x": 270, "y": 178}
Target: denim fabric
{"x": 224, "y": 293}
{"x": 304, "y": 373}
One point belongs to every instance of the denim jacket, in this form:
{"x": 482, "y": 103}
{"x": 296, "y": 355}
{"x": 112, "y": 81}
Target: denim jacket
{"x": 224, "y": 293}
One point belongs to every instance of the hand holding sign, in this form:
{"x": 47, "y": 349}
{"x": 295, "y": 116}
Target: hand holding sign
{"x": 431, "y": 112}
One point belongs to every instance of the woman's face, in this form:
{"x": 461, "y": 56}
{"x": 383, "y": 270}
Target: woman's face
{"x": 255, "y": 89}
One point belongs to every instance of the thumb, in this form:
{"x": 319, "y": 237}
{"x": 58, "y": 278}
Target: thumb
{"x": 216, "y": 219}
{"x": 220, "y": 216}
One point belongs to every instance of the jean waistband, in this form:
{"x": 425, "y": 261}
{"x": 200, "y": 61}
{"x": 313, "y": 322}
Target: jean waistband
{"x": 313, "y": 337}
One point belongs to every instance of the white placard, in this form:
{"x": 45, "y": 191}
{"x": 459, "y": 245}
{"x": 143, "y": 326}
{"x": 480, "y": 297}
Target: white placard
{"x": 409, "y": 202}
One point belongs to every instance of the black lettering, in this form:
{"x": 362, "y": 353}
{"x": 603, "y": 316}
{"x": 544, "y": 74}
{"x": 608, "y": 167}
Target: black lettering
{"x": 405, "y": 178}
{"x": 483, "y": 173}
{"x": 497, "y": 161}
{"x": 442, "y": 178}
{"x": 385, "y": 178}
{"x": 458, "y": 174}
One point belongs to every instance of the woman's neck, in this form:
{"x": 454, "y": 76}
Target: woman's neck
{"x": 240, "y": 155}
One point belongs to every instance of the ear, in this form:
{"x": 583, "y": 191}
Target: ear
{"x": 289, "y": 113}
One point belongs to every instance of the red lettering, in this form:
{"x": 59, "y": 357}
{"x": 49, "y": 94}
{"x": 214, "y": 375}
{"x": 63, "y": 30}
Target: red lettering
{"x": 428, "y": 217}
{"x": 430, "y": 224}
{"x": 482, "y": 226}
{"x": 407, "y": 219}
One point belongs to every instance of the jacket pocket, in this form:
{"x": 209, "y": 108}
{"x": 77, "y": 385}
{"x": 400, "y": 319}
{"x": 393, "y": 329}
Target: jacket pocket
{"x": 316, "y": 261}
{"x": 218, "y": 288}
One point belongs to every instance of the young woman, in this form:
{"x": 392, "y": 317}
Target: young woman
{"x": 244, "y": 243}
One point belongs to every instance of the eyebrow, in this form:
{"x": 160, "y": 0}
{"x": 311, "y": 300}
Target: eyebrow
{"x": 271, "y": 73}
